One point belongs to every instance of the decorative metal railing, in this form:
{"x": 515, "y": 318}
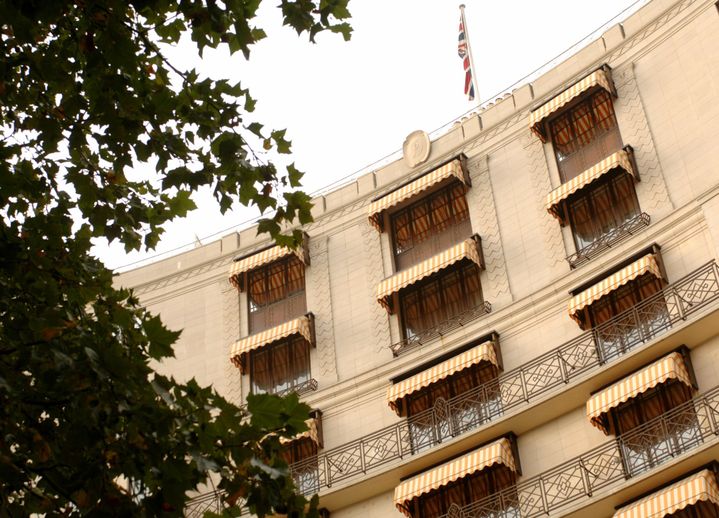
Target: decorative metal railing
{"x": 304, "y": 387}
{"x": 664, "y": 438}
{"x": 442, "y": 329}
{"x": 516, "y": 388}
{"x": 608, "y": 240}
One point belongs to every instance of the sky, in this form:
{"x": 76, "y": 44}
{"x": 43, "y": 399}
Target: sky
{"x": 348, "y": 105}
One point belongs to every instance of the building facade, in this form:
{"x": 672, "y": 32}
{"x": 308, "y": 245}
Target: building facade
{"x": 519, "y": 318}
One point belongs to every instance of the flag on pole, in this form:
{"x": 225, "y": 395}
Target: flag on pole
{"x": 463, "y": 52}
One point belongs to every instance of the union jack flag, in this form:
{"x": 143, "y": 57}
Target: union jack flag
{"x": 464, "y": 54}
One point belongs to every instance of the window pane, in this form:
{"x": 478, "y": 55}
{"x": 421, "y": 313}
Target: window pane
{"x": 603, "y": 214}
{"x": 411, "y": 313}
{"x": 583, "y": 124}
{"x": 261, "y": 374}
{"x": 420, "y": 222}
{"x": 472, "y": 286}
{"x": 562, "y": 136}
{"x": 625, "y": 206}
{"x": 401, "y": 224}
{"x": 459, "y": 203}
{"x": 257, "y": 288}
{"x": 295, "y": 276}
{"x": 441, "y": 212}
{"x": 277, "y": 281}
{"x": 301, "y": 362}
{"x": 580, "y": 217}
{"x": 433, "y": 314}
{"x": 603, "y": 110}
{"x": 453, "y": 298}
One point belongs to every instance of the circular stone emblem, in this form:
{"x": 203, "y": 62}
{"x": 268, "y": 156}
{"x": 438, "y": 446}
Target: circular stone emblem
{"x": 416, "y": 148}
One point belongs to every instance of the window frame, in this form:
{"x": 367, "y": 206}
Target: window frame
{"x": 426, "y": 201}
{"x": 459, "y": 268}
{"x": 266, "y": 269}
{"x": 567, "y": 111}
{"x": 610, "y": 183}
{"x": 290, "y": 345}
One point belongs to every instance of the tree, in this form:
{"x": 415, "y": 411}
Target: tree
{"x": 87, "y": 426}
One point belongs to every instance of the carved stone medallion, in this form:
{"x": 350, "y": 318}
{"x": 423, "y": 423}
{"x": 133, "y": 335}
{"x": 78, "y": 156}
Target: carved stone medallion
{"x": 416, "y": 148}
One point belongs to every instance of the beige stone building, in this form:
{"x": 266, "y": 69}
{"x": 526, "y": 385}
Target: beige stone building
{"x": 517, "y": 319}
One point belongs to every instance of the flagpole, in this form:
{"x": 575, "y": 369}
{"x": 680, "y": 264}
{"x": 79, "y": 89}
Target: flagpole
{"x": 475, "y": 76}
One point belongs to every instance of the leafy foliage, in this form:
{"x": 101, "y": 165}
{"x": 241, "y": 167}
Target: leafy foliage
{"x": 88, "y": 426}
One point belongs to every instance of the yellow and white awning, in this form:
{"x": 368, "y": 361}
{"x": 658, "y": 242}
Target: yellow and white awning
{"x": 467, "y": 249}
{"x": 448, "y": 170}
{"x": 700, "y": 487}
{"x": 670, "y": 367}
{"x": 264, "y": 257}
{"x": 302, "y": 326}
{"x": 647, "y": 264}
{"x": 599, "y": 78}
{"x": 484, "y": 352}
{"x": 619, "y": 159}
{"x": 498, "y": 452}
{"x": 312, "y": 433}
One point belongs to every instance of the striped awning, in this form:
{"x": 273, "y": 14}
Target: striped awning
{"x": 312, "y": 433}
{"x": 670, "y": 367}
{"x": 265, "y": 257}
{"x": 467, "y": 249}
{"x": 448, "y": 170}
{"x": 647, "y": 264}
{"x": 301, "y": 326}
{"x": 700, "y": 487}
{"x": 619, "y": 159}
{"x": 498, "y": 452}
{"x": 599, "y": 78}
{"x": 484, "y": 352}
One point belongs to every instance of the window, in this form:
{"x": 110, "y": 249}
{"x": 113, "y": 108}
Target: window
{"x": 468, "y": 490}
{"x": 584, "y": 134}
{"x": 615, "y": 340}
{"x": 601, "y": 208}
{"x": 427, "y": 428}
{"x": 650, "y": 412}
{"x": 300, "y": 453}
{"x": 280, "y": 367}
{"x": 435, "y": 300}
{"x": 430, "y": 225}
{"x": 654, "y": 440}
{"x": 276, "y": 293}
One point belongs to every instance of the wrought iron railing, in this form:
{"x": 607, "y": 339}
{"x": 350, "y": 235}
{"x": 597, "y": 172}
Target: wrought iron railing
{"x": 654, "y": 443}
{"x": 304, "y": 387}
{"x": 442, "y": 329}
{"x": 519, "y": 387}
{"x": 608, "y": 240}
{"x": 516, "y": 388}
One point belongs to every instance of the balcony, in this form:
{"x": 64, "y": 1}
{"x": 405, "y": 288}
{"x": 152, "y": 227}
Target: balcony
{"x": 629, "y": 456}
{"x": 520, "y": 398}
{"x": 608, "y": 240}
{"x": 304, "y": 387}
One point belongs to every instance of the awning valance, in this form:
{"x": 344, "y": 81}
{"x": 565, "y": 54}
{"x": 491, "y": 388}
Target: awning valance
{"x": 467, "y": 249}
{"x": 601, "y": 78}
{"x": 670, "y": 367}
{"x": 647, "y": 264}
{"x": 312, "y": 433}
{"x": 620, "y": 159}
{"x": 448, "y": 170}
{"x": 245, "y": 264}
{"x": 498, "y": 452}
{"x": 303, "y": 326}
{"x": 696, "y": 488}
{"x": 484, "y": 352}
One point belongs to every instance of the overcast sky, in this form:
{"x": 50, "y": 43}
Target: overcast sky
{"x": 347, "y": 105}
